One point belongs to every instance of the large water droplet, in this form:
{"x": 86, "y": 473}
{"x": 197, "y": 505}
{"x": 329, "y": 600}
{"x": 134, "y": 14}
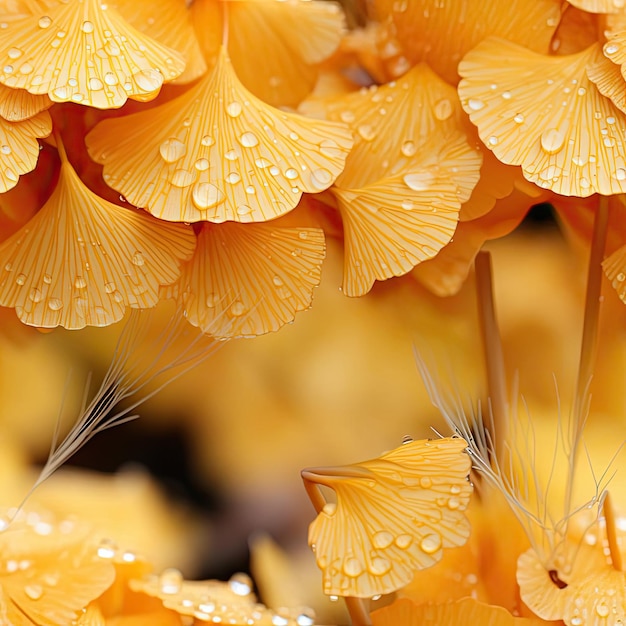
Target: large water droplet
{"x": 379, "y": 566}
{"x": 352, "y": 567}
{"x": 182, "y": 178}
{"x": 329, "y": 148}
{"x": 233, "y": 178}
{"x": 475, "y": 104}
{"x": 80, "y": 282}
{"x": 443, "y": 109}
{"x": 138, "y": 259}
{"x": 34, "y": 592}
{"x": 249, "y": 140}
{"x": 419, "y": 181}
{"x": 382, "y": 539}
{"x": 240, "y": 584}
{"x": 234, "y": 109}
{"x": 237, "y": 309}
{"x": 366, "y": 131}
{"x": 552, "y": 140}
{"x": 206, "y": 195}
{"x": 148, "y": 80}
{"x": 172, "y": 149}
{"x": 408, "y": 148}
{"x": 431, "y": 543}
{"x": 44, "y": 22}
{"x": 403, "y": 541}
{"x": 87, "y": 27}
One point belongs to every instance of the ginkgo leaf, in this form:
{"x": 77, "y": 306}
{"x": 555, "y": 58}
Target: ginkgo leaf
{"x": 544, "y": 114}
{"x": 615, "y": 270}
{"x": 168, "y": 22}
{"x": 465, "y": 612}
{"x": 396, "y": 123}
{"x": 82, "y": 260}
{"x": 85, "y": 52}
{"x": 440, "y": 33}
{"x": 599, "y": 6}
{"x": 17, "y": 104}
{"x": 608, "y": 79}
{"x": 19, "y": 148}
{"x": 250, "y": 279}
{"x": 587, "y": 591}
{"x": 231, "y": 602}
{"x": 293, "y": 34}
{"x": 393, "y": 516}
{"x": 50, "y": 571}
{"x": 217, "y": 153}
{"x": 394, "y": 224}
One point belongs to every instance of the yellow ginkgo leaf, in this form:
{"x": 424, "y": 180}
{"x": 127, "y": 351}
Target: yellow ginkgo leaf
{"x": 83, "y": 51}
{"x": 231, "y": 602}
{"x": 440, "y": 33}
{"x": 218, "y": 153}
{"x": 544, "y": 114}
{"x": 465, "y": 612}
{"x": 394, "y": 224}
{"x": 17, "y": 104}
{"x": 250, "y": 279}
{"x": 615, "y": 270}
{"x": 293, "y": 34}
{"x": 393, "y": 516}
{"x": 393, "y": 123}
{"x": 608, "y": 79}
{"x": 50, "y": 571}
{"x": 82, "y": 260}
{"x": 599, "y": 6}
{"x": 587, "y": 591}
{"x": 169, "y": 23}
{"x": 19, "y": 148}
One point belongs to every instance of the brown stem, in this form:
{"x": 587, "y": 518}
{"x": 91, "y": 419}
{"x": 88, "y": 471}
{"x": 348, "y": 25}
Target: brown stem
{"x": 359, "y": 615}
{"x": 611, "y": 533}
{"x": 492, "y": 349}
{"x": 589, "y": 339}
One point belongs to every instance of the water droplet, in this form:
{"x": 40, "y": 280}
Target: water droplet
{"x": 148, "y": 80}
{"x": 321, "y": 178}
{"x": 231, "y": 155}
{"x": 408, "y": 148}
{"x": 80, "y": 282}
{"x": 44, "y": 22}
{"x": 35, "y": 294}
{"x": 234, "y": 109}
{"x": 352, "y": 567}
{"x": 274, "y": 171}
{"x": 14, "y": 53}
{"x": 291, "y": 173}
{"x": 5, "y": 149}
{"x": 172, "y": 149}
{"x": 492, "y": 141}
{"x": 475, "y": 105}
{"x": 379, "y": 566}
{"x": 443, "y": 109}
{"x": 609, "y": 142}
{"x": 95, "y": 84}
{"x": 403, "y": 541}
{"x": 170, "y": 581}
{"x": 621, "y": 277}
{"x": 201, "y": 165}
{"x": 237, "y": 309}
{"x": 279, "y": 620}
{"x": 611, "y": 49}
{"x": 584, "y": 183}
{"x": 550, "y": 172}
{"x": 620, "y": 173}
{"x": 206, "y": 195}
{"x": 329, "y": 508}
{"x": 382, "y": 539}
{"x": 87, "y": 27}
{"x": 47, "y": 279}
{"x": 21, "y": 279}
{"x": 240, "y": 584}
{"x": 34, "y": 592}
{"x": 278, "y": 281}
{"x": 519, "y": 119}
{"x": 576, "y": 621}
{"x": 552, "y": 140}
{"x": 61, "y": 93}
{"x": 329, "y": 148}
{"x": 244, "y": 209}
{"x": 262, "y": 163}
{"x": 431, "y": 543}
{"x": 305, "y": 620}
{"x": 454, "y": 503}
{"x": 249, "y": 140}
{"x": 207, "y": 140}
{"x": 109, "y": 287}
{"x": 138, "y": 259}
{"x": 250, "y": 189}
{"x": 233, "y": 178}
{"x": 579, "y": 159}
{"x": 212, "y": 299}
{"x": 366, "y": 131}
{"x": 602, "y": 610}
{"x": 182, "y": 178}
{"x": 110, "y": 79}
{"x": 347, "y": 116}
{"x": 419, "y": 181}
{"x": 426, "y": 482}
